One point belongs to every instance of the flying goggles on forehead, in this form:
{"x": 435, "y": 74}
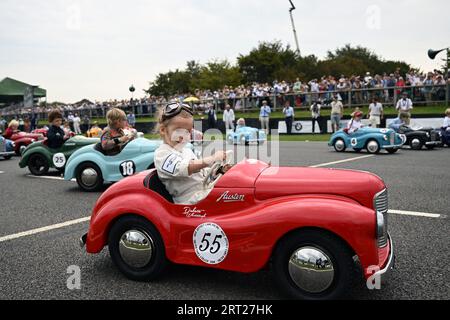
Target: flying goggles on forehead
{"x": 173, "y": 109}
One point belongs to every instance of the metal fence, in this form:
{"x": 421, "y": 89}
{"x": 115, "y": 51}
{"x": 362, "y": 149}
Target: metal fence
{"x": 420, "y": 95}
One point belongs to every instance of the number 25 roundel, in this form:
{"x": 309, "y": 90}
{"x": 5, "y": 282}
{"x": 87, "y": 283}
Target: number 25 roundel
{"x": 127, "y": 168}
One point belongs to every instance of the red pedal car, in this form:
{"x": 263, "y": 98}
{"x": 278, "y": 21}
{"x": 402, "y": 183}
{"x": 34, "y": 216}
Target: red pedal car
{"x": 311, "y": 226}
{"x": 23, "y": 139}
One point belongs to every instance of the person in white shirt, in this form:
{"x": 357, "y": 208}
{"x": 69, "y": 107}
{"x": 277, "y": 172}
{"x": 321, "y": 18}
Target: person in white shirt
{"x": 355, "y": 124}
{"x": 289, "y": 114}
{"x": 337, "y": 111}
{"x": 264, "y": 115}
{"x": 76, "y": 124}
{"x": 376, "y": 113}
{"x": 405, "y": 105}
{"x": 178, "y": 167}
{"x": 315, "y": 115}
{"x": 228, "y": 118}
{"x": 446, "y": 124}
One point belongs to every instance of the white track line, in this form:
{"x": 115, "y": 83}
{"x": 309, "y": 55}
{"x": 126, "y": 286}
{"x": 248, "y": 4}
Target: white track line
{"x": 43, "y": 229}
{"x": 416, "y": 214}
{"x": 2, "y": 171}
{"x": 341, "y": 161}
{"x": 49, "y": 177}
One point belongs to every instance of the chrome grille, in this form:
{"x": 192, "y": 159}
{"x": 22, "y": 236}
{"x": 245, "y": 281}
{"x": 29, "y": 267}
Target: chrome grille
{"x": 381, "y": 205}
{"x": 434, "y": 136}
{"x": 381, "y": 202}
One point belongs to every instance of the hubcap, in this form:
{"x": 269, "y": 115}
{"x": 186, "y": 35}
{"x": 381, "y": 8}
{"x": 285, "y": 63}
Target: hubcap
{"x": 372, "y": 146}
{"x": 311, "y": 269}
{"x": 89, "y": 177}
{"x": 415, "y": 143}
{"x": 136, "y": 248}
{"x": 242, "y": 140}
{"x": 339, "y": 145}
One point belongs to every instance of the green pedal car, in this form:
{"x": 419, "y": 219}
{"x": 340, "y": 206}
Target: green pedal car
{"x": 40, "y": 158}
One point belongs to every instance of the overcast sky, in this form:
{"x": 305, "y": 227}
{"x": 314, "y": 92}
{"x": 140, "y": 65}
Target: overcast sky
{"x": 96, "y": 49}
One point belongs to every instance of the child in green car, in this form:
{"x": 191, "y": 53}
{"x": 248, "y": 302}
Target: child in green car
{"x": 55, "y": 135}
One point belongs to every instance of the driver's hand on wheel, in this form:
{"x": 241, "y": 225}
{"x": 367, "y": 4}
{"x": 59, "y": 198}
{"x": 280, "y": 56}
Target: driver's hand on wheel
{"x": 220, "y": 156}
{"x": 125, "y": 139}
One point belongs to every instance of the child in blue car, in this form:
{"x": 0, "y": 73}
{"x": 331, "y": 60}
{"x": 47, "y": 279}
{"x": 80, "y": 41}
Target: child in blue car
{"x": 114, "y": 136}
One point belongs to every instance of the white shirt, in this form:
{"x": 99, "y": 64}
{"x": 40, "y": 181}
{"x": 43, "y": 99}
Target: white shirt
{"x": 404, "y": 105}
{"x": 288, "y": 111}
{"x": 446, "y": 122}
{"x": 376, "y": 109}
{"x": 337, "y": 107}
{"x": 172, "y": 166}
{"x": 228, "y": 115}
{"x": 76, "y": 120}
{"x": 353, "y": 125}
{"x": 315, "y": 115}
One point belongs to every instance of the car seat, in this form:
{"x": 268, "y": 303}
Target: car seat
{"x": 155, "y": 184}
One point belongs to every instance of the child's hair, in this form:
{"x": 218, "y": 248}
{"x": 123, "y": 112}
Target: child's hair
{"x": 114, "y": 115}
{"x": 164, "y": 123}
{"x": 404, "y": 115}
{"x": 241, "y": 122}
{"x": 53, "y": 115}
{"x": 447, "y": 112}
{"x": 13, "y": 123}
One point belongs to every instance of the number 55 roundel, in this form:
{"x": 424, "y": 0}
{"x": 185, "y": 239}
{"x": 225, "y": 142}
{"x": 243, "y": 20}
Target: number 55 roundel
{"x": 210, "y": 243}
{"x": 127, "y": 168}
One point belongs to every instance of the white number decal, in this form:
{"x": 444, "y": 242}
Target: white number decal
{"x": 128, "y": 168}
{"x": 59, "y": 160}
{"x": 210, "y": 243}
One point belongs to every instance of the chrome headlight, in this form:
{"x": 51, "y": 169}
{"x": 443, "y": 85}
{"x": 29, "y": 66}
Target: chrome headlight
{"x": 32, "y": 140}
{"x": 385, "y": 137}
{"x": 380, "y": 203}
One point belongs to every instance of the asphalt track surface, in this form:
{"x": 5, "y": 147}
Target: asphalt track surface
{"x": 35, "y": 266}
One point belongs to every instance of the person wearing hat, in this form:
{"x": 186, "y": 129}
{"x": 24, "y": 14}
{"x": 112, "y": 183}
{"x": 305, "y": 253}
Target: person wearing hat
{"x": 355, "y": 124}
{"x": 337, "y": 111}
{"x": 405, "y": 105}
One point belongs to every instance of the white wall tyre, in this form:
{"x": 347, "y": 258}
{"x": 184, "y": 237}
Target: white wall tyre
{"x": 373, "y": 147}
{"x": 339, "y": 145}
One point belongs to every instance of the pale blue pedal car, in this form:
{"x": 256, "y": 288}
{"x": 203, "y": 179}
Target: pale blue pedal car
{"x": 371, "y": 139}
{"x": 91, "y": 167}
{"x": 246, "y": 135}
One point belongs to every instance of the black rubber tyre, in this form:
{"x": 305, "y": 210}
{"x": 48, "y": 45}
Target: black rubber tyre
{"x": 416, "y": 147}
{"x": 99, "y": 181}
{"x": 340, "y": 256}
{"x": 158, "y": 261}
{"x": 7, "y": 157}
{"x": 392, "y": 150}
{"x": 430, "y": 147}
{"x": 38, "y": 164}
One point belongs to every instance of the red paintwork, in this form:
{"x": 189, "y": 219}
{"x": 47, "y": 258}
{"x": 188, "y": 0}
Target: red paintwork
{"x": 277, "y": 201}
{"x": 24, "y": 139}
{"x": 41, "y": 131}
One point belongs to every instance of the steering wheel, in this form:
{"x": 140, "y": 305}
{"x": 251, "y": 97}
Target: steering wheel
{"x": 213, "y": 175}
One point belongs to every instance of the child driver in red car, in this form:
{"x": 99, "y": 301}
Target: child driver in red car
{"x": 178, "y": 167}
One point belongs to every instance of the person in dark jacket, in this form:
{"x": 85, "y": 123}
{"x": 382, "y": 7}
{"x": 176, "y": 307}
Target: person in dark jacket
{"x": 55, "y": 134}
